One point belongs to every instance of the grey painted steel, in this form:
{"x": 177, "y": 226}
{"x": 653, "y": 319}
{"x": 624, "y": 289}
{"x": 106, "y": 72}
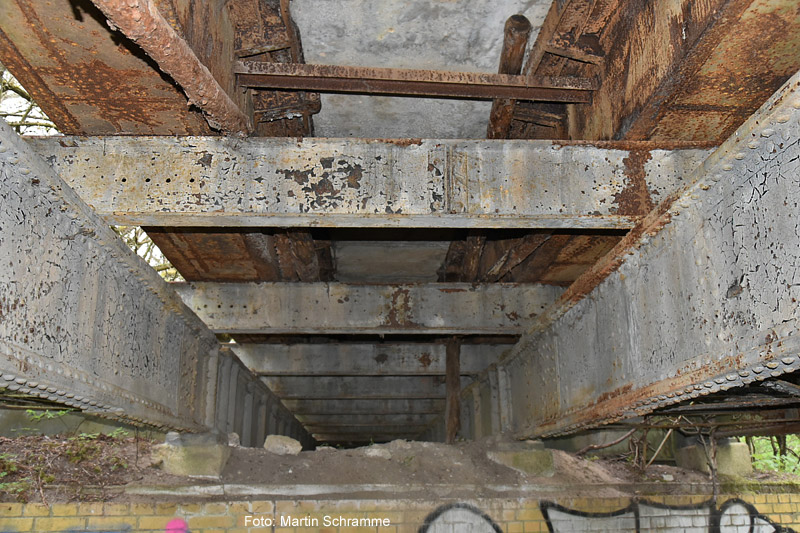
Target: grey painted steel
{"x": 358, "y": 387}
{"x": 355, "y": 406}
{"x": 363, "y": 359}
{"x": 81, "y": 316}
{"x": 85, "y": 322}
{"x": 704, "y": 300}
{"x": 212, "y": 181}
{"x": 336, "y": 308}
{"x": 366, "y": 419}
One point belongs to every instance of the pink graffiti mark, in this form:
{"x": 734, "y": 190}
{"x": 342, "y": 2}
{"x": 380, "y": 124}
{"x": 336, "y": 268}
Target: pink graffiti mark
{"x": 177, "y": 526}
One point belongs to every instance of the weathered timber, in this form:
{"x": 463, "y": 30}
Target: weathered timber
{"x": 337, "y": 308}
{"x": 202, "y": 181}
{"x": 699, "y": 298}
{"x": 515, "y": 39}
{"x": 367, "y": 80}
{"x": 363, "y": 358}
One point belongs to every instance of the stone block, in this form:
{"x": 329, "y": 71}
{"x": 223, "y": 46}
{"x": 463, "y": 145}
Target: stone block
{"x": 733, "y": 458}
{"x": 195, "y": 455}
{"x": 528, "y": 457}
{"x": 282, "y": 445}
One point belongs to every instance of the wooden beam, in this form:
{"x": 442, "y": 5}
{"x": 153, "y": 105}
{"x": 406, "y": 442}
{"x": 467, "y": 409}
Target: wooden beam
{"x": 515, "y": 40}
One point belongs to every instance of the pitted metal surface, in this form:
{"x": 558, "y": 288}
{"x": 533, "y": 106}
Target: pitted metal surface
{"x": 86, "y": 323}
{"x": 206, "y": 181}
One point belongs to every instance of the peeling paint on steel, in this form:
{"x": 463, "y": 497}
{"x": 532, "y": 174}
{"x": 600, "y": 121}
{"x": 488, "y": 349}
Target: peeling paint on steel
{"x": 334, "y": 308}
{"x": 201, "y": 181}
{"x": 700, "y": 297}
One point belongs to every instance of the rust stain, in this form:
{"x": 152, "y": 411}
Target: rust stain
{"x": 401, "y": 142}
{"x": 632, "y": 145}
{"x": 399, "y": 309}
{"x": 425, "y": 359}
{"x": 635, "y": 198}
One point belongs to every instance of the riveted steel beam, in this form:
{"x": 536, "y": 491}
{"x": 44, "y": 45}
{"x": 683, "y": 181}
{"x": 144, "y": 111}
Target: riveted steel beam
{"x": 363, "y": 358}
{"x": 338, "y": 308}
{"x": 213, "y": 182}
{"x": 698, "y": 298}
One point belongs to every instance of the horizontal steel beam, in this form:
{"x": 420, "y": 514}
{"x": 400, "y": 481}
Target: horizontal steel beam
{"x": 367, "y": 419}
{"x": 366, "y": 407}
{"x": 412, "y": 82}
{"x": 218, "y": 182}
{"x": 358, "y": 387}
{"x": 364, "y": 438}
{"x": 367, "y": 430}
{"x": 362, "y": 358}
{"x": 700, "y": 298}
{"x": 337, "y": 308}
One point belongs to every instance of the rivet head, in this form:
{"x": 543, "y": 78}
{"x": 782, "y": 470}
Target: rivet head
{"x": 758, "y": 369}
{"x": 731, "y": 377}
{"x": 9, "y": 377}
{"x": 21, "y": 381}
{"x": 744, "y": 373}
{"x": 727, "y": 167}
{"x": 783, "y": 119}
{"x": 753, "y": 144}
{"x": 720, "y": 380}
{"x": 769, "y": 132}
{"x": 787, "y": 360}
{"x": 738, "y": 156}
{"x": 772, "y": 365}
{"x": 775, "y": 373}
{"x": 708, "y": 384}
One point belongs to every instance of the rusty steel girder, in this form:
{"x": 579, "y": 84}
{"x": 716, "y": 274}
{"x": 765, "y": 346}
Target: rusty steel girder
{"x": 700, "y": 297}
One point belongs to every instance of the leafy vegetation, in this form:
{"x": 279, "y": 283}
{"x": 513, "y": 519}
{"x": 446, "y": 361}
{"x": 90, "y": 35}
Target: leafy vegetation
{"x": 775, "y": 454}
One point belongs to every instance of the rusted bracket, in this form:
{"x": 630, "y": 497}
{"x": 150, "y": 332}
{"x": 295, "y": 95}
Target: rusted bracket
{"x": 141, "y": 22}
{"x": 366, "y": 80}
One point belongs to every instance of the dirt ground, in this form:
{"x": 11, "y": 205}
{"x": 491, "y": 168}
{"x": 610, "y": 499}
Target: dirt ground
{"x": 98, "y": 467}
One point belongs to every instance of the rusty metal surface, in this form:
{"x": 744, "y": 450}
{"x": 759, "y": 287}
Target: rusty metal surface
{"x": 141, "y": 22}
{"x": 212, "y": 182}
{"x": 365, "y": 80}
{"x": 662, "y": 325}
{"x": 690, "y": 71}
{"x": 88, "y": 79}
{"x": 337, "y": 308}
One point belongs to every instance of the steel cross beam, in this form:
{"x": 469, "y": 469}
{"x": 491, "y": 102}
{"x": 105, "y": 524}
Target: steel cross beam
{"x": 213, "y": 182}
{"x": 338, "y": 308}
{"x": 700, "y": 297}
{"x": 363, "y": 358}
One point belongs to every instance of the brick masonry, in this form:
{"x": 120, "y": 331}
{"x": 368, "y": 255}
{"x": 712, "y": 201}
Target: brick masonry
{"x": 668, "y": 513}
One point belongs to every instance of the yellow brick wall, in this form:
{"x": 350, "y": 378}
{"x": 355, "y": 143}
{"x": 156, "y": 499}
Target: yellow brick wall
{"x": 404, "y": 516}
